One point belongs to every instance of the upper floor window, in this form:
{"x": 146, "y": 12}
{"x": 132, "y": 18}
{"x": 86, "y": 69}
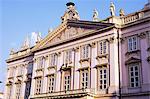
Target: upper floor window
{"x": 68, "y": 56}
{"x": 40, "y": 62}
{"x": 51, "y": 83}
{"x": 84, "y": 79}
{"x": 134, "y": 78}
{"x": 67, "y": 80}
{"x": 9, "y": 91}
{"x": 27, "y": 89}
{"x": 102, "y": 78}
{"x": 85, "y": 51}
{"x": 102, "y": 47}
{"x": 18, "y": 91}
{"x": 132, "y": 43}
{"x": 53, "y": 59}
{"x": 38, "y": 85}
{"x": 20, "y": 70}
{"x": 11, "y": 72}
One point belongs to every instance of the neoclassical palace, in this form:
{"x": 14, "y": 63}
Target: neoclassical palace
{"x": 98, "y": 59}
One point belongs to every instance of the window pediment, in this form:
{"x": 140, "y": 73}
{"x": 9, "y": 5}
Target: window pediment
{"x": 132, "y": 60}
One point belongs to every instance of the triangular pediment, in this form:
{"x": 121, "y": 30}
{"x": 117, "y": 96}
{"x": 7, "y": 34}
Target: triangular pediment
{"x": 68, "y": 30}
{"x": 132, "y": 60}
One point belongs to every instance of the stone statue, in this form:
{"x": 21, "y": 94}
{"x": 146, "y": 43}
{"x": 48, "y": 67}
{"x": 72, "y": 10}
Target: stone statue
{"x": 12, "y": 51}
{"x": 95, "y": 15}
{"x": 121, "y": 12}
{"x": 26, "y": 43}
{"x": 112, "y": 9}
{"x": 71, "y": 13}
{"x": 39, "y": 38}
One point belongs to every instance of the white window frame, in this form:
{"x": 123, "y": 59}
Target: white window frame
{"x": 40, "y": 62}
{"x": 18, "y": 91}
{"x": 102, "y": 47}
{"x": 51, "y": 83}
{"x": 9, "y": 92}
{"x": 53, "y": 59}
{"x": 68, "y": 56}
{"x": 20, "y": 70}
{"x": 67, "y": 82}
{"x": 38, "y": 85}
{"x": 103, "y": 78}
{"x": 85, "y": 51}
{"x": 134, "y": 76}
{"x": 132, "y": 43}
{"x": 11, "y": 72}
{"x": 84, "y": 80}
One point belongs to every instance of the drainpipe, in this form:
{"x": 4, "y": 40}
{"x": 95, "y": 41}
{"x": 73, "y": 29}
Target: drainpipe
{"x": 118, "y": 37}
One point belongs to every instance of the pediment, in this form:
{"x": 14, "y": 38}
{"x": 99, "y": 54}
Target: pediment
{"x": 67, "y": 30}
{"x": 132, "y": 60}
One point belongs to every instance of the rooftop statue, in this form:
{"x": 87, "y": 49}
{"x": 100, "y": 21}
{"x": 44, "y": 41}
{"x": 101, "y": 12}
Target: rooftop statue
{"x": 71, "y": 13}
{"x": 121, "y": 12}
{"x": 95, "y": 15}
{"x": 112, "y": 9}
{"x": 12, "y": 51}
{"x": 26, "y": 43}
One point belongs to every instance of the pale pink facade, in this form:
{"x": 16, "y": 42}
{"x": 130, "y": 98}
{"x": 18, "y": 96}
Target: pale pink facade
{"x": 107, "y": 59}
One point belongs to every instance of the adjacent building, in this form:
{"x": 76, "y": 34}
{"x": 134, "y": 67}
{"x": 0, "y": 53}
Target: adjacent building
{"x": 99, "y": 59}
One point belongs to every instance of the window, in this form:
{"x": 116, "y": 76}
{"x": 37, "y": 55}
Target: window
{"x": 134, "y": 76}
{"x": 40, "y": 62}
{"x": 132, "y": 43}
{"x": 18, "y": 91}
{"x": 27, "y": 90}
{"x": 38, "y": 85}
{"x": 67, "y": 81}
{"x": 53, "y": 59}
{"x": 9, "y": 91}
{"x": 84, "y": 79}
{"x": 102, "y": 47}
{"x": 11, "y": 72}
{"x": 51, "y": 81}
{"x": 102, "y": 78}
{"x": 20, "y": 70}
{"x": 85, "y": 51}
{"x": 68, "y": 56}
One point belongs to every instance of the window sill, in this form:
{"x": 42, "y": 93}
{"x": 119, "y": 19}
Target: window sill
{"x": 132, "y": 52}
{"x": 84, "y": 59}
{"x": 39, "y": 69}
{"x": 50, "y": 67}
{"x": 102, "y": 56}
{"x": 20, "y": 75}
{"x": 134, "y": 87}
{"x": 10, "y": 77}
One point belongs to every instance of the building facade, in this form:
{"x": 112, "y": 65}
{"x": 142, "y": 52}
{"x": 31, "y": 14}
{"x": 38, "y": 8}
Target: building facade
{"x": 99, "y": 59}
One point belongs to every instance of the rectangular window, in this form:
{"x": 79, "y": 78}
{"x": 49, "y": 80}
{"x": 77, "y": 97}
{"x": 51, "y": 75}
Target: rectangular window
{"x": 84, "y": 79}
{"x": 68, "y": 56}
{"x": 132, "y": 44}
{"x": 103, "y": 78}
{"x": 40, "y": 62}
{"x": 20, "y": 70}
{"x": 53, "y": 59}
{"x": 11, "y": 72}
{"x": 102, "y": 47}
{"x": 18, "y": 91}
{"x": 38, "y": 85}
{"x": 27, "y": 90}
{"x": 134, "y": 76}
{"x": 9, "y": 91}
{"x": 67, "y": 82}
{"x": 85, "y": 51}
{"x": 51, "y": 83}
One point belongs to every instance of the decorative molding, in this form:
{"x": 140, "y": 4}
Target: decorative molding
{"x": 101, "y": 65}
{"x": 142, "y": 35}
{"x": 111, "y": 40}
{"x": 148, "y": 59}
{"x": 133, "y": 52}
{"x": 93, "y": 44}
{"x": 85, "y": 59}
{"x": 132, "y": 60}
{"x": 102, "y": 56}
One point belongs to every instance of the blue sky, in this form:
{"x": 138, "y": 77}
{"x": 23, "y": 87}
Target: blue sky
{"x": 18, "y": 18}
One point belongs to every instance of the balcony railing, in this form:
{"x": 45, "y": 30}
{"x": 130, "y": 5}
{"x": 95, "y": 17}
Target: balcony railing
{"x": 61, "y": 94}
